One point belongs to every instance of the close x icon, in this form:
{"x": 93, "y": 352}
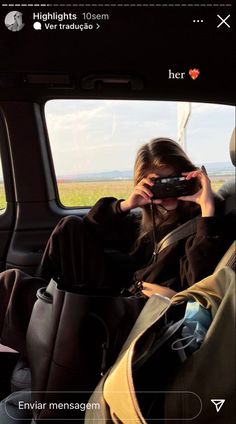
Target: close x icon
{"x": 223, "y": 21}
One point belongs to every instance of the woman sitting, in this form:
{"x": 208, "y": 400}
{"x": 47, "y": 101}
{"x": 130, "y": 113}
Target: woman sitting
{"x": 75, "y": 251}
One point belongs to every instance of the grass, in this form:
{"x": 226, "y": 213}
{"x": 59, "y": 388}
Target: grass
{"x": 87, "y": 193}
{"x": 2, "y": 197}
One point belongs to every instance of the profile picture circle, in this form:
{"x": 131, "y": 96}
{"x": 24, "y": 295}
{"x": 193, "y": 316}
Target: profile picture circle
{"x": 14, "y": 21}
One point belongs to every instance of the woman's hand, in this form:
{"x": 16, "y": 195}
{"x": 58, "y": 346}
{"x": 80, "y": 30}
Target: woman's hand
{"x": 149, "y": 289}
{"x": 141, "y": 195}
{"x": 204, "y": 197}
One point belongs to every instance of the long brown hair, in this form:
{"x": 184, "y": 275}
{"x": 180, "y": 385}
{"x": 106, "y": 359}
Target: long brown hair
{"x": 159, "y": 153}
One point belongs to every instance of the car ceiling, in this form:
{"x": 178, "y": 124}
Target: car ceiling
{"x": 128, "y": 58}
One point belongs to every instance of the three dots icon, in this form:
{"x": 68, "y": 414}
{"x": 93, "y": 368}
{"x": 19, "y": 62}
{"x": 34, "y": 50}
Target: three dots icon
{"x": 197, "y": 20}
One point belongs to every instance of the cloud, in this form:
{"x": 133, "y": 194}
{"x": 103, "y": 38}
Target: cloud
{"x": 105, "y": 134}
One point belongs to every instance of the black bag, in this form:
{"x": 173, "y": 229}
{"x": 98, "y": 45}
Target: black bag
{"x": 72, "y": 339}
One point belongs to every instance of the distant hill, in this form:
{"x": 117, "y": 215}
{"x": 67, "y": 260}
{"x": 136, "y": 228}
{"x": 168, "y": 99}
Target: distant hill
{"x": 220, "y": 168}
{"x": 214, "y": 168}
{"x": 100, "y": 176}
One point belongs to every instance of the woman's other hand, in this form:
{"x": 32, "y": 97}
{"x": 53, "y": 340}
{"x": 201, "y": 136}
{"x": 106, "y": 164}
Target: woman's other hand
{"x": 141, "y": 195}
{"x": 203, "y": 197}
{"x": 148, "y": 289}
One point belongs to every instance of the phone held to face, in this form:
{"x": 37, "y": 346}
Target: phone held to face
{"x": 172, "y": 187}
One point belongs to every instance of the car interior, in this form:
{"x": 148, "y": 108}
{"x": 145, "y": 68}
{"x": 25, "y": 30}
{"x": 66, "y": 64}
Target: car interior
{"x": 119, "y": 62}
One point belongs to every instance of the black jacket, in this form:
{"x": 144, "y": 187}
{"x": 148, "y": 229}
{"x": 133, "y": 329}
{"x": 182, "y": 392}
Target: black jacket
{"x": 178, "y": 266}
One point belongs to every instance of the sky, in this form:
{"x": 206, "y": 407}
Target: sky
{"x": 89, "y": 136}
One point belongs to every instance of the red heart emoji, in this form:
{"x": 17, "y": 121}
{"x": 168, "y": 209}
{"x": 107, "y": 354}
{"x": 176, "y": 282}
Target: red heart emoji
{"x": 194, "y": 73}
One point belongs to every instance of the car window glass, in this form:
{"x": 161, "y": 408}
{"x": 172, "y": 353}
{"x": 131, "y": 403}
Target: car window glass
{"x": 94, "y": 142}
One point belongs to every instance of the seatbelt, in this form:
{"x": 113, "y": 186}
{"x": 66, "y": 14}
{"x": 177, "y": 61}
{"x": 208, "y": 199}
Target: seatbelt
{"x": 186, "y": 229}
{"x": 179, "y": 233}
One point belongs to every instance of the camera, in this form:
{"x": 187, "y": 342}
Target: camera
{"x": 172, "y": 187}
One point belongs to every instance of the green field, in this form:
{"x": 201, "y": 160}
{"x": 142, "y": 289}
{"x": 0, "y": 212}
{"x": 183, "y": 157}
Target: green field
{"x": 87, "y": 193}
{"x": 2, "y": 197}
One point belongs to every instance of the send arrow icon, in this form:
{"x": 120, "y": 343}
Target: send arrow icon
{"x": 218, "y": 403}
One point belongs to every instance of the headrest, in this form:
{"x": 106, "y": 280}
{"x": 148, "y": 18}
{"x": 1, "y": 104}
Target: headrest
{"x": 232, "y": 148}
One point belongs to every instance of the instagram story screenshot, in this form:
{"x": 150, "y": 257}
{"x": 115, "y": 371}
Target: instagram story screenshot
{"x": 117, "y": 212}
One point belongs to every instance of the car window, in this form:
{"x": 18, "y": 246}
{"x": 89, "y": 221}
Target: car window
{"x": 2, "y": 190}
{"x": 94, "y": 142}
